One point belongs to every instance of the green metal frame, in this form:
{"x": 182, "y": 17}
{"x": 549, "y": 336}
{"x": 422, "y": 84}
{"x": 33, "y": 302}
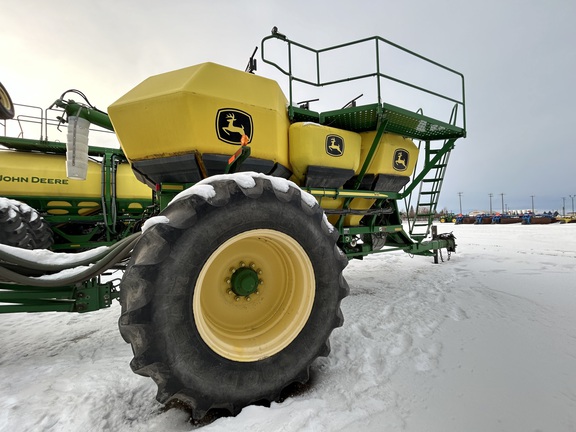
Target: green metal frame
{"x": 86, "y": 297}
{"x": 405, "y": 126}
{"x": 381, "y": 117}
{"x": 107, "y": 225}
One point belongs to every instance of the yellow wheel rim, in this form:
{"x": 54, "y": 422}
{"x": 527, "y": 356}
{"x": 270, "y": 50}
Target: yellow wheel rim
{"x": 254, "y": 295}
{"x": 5, "y": 100}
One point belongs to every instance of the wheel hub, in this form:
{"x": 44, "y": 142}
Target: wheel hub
{"x": 244, "y": 282}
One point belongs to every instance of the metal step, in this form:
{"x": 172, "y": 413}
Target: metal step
{"x": 428, "y": 197}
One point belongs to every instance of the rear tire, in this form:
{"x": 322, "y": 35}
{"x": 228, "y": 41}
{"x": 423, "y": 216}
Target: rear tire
{"x": 6, "y": 105}
{"x": 21, "y": 226}
{"x": 232, "y": 299}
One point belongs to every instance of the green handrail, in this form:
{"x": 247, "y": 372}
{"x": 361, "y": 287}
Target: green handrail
{"x": 377, "y": 73}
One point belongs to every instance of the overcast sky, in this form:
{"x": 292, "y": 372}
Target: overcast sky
{"x": 518, "y": 59}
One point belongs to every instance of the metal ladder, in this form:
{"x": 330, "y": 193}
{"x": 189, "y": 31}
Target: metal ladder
{"x": 428, "y": 196}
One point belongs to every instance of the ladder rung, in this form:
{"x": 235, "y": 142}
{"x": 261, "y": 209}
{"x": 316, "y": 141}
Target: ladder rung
{"x": 430, "y": 195}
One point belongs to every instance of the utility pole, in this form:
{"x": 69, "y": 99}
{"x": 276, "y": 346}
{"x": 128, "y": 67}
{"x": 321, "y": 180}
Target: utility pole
{"x": 502, "y": 195}
{"x": 563, "y": 206}
{"x": 532, "y": 196}
{"x": 572, "y": 197}
{"x": 490, "y": 195}
{"x": 460, "y": 198}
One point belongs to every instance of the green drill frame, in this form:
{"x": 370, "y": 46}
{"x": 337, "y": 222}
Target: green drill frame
{"x": 88, "y": 296}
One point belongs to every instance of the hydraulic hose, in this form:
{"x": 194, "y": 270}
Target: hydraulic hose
{"x": 7, "y": 257}
{"x": 113, "y": 255}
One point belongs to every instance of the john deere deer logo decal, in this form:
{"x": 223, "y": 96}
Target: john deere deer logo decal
{"x": 231, "y": 118}
{"x": 334, "y": 145}
{"x": 232, "y": 124}
{"x": 400, "y": 160}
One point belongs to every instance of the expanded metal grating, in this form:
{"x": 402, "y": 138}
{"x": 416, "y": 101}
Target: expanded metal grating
{"x": 368, "y": 117}
{"x": 418, "y": 126}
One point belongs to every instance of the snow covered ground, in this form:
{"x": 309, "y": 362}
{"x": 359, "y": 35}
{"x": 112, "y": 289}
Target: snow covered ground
{"x": 483, "y": 342}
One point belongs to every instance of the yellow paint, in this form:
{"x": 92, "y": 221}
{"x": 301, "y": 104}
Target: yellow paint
{"x": 59, "y": 204}
{"x": 32, "y": 175}
{"x": 128, "y": 186}
{"x": 252, "y": 328}
{"x": 308, "y": 146}
{"x": 86, "y": 212}
{"x": 29, "y": 174}
{"x": 172, "y": 187}
{"x": 175, "y": 113}
{"x": 58, "y": 212}
{"x": 383, "y": 160}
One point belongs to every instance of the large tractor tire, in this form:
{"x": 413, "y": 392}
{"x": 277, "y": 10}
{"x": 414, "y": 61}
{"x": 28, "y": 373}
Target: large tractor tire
{"x": 232, "y": 296}
{"x": 21, "y": 226}
{"x": 6, "y": 105}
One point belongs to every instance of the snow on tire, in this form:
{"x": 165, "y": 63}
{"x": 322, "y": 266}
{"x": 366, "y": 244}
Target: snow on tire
{"x": 21, "y": 226}
{"x": 234, "y": 291}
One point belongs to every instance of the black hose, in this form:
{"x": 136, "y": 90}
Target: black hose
{"x": 116, "y": 253}
{"x": 7, "y": 257}
{"x": 83, "y": 96}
